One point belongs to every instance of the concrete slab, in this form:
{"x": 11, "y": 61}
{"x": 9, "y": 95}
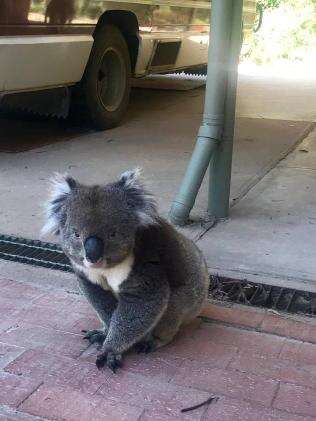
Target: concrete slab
{"x": 162, "y": 146}
{"x": 259, "y": 145}
{"x": 277, "y": 97}
{"x": 20, "y": 133}
{"x": 266, "y": 237}
{"x": 271, "y": 234}
{"x": 304, "y": 156}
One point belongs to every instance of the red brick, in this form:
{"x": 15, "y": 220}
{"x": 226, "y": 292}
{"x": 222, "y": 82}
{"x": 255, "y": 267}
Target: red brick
{"x": 6, "y": 323}
{"x": 9, "y": 307}
{"x": 187, "y": 331}
{"x": 227, "y": 409}
{"x": 149, "y": 415}
{"x": 235, "y": 314}
{"x": 4, "y": 282}
{"x": 82, "y": 377}
{"x": 66, "y": 321}
{"x": 275, "y": 368}
{"x": 58, "y": 370}
{"x": 232, "y": 383}
{"x": 167, "y": 358}
{"x": 252, "y": 341}
{"x": 37, "y": 364}
{"x": 30, "y": 336}
{"x": 152, "y": 365}
{"x": 157, "y": 397}
{"x": 8, "y": 353}
{"x": 85, "y": 322}
{"x": 296, "y": 399}
{"x": 303, "y": 329}
{"x": 19, "y": 291}
{"x": 15, "y": 295}
{"x": 89, "y": 355}
{"x": 290, "y": 349}
{"x": 65, "y": 404}
{"x": 172, "y": 407}
{"x": 11, "y": 414}
{"x": 300, "y": 353}
{"x": 14, "y": 389}
{"x": 199, "y": 348}
{"x": 63, "y": 301}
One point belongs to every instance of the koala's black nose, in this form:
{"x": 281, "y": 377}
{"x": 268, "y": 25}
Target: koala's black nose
{"x": 94, "y": 249}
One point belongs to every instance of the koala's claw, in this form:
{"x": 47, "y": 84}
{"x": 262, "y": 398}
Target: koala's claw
{"x": 100, "y": 361}
{"x": 146, "y": 346}
{"x": 94, "y": 336}
{"x": 113, "y": 361}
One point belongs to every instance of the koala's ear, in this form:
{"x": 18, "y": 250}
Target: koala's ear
{"x": 61, "y": 187}
{"x": 139, "y": 200}
{"x": 131, "y": 178}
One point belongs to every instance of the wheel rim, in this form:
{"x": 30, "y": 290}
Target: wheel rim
{"x": 111, "y": 80}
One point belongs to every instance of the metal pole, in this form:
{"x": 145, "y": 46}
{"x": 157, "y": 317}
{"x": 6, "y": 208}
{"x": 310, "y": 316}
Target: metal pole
{"x": 213, "y": 118}
{"x": 221, "y": 163}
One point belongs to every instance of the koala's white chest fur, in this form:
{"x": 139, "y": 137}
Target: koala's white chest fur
{"x": 110, "y": 278}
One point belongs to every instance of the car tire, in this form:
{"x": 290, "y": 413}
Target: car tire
{"x": 106, "y": 81}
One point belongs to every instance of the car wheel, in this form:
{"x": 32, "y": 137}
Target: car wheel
{"x": 106, "y": 81}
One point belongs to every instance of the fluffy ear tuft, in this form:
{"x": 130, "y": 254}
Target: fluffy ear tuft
{"x": 140, "y": 201}
{"x": 61, "y": 187}
{"x": 131, "y": 178}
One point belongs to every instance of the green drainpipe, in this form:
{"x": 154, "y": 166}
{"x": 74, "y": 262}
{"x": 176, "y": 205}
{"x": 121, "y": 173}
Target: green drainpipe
{"x": 223, "y": 14}
{"x": 221, "y": 162}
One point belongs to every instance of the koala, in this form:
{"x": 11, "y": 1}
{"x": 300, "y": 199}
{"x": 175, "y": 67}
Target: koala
{"x": 142, "y": 277}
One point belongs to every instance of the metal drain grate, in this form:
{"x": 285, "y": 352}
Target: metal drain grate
{"x": 49, "y": 255}
{"x": 33, "y": 252}
{"x": 261, "y": 295}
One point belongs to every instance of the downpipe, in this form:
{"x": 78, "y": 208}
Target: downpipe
{"x": 210, "y": 132}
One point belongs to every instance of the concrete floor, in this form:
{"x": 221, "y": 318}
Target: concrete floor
{"x": 274, "y": 226}
{"x": 260, "y": 241}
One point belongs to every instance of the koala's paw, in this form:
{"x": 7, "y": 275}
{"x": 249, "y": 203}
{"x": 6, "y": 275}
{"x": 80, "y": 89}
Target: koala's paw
{"x": 95, "y": 336}
{"x": 113, "y": 361}
{"x": 146, "y": 346}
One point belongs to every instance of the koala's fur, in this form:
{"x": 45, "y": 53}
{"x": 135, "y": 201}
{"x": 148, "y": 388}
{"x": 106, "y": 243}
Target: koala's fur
{"x": 151, "y": 279}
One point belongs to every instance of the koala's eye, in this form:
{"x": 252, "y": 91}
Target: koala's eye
{"x": 76, "y": 234}
{"x": 112, "y": 234}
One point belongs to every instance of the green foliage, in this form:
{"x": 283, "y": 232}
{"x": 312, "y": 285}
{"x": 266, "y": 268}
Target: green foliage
{"x": 288, "y": 32}
{"x": 268, "y": 4}
{"x": 91, "y": 9}
{"x": 38, "y": 6}
{"x": 271, "y": 4}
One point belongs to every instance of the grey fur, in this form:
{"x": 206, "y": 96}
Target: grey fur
{"x": 151, "y": 280}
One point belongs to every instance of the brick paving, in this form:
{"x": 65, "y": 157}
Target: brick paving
{"x": 261, "y": 366}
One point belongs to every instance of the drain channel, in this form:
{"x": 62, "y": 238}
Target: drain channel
{"x": 262, "y": 295}
{"x": 33, "y": 252}
{"x": 49, "y": 255}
